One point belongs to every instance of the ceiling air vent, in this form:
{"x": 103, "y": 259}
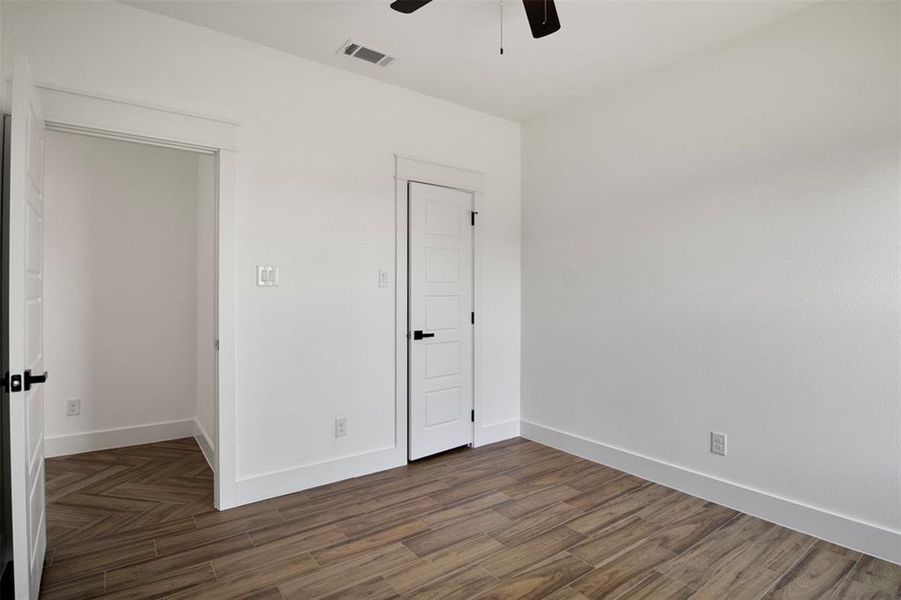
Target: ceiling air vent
{"x": 370, "y": 55}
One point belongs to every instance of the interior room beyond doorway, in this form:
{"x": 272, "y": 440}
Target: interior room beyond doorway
{"x": 129, "y": 294}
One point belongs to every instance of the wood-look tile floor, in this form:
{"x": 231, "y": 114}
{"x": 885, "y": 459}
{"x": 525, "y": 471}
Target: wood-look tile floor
{"x": 511, "y": 520}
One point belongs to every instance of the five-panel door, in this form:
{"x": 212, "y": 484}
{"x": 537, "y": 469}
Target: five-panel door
{"x": 26, "y": 335}
{"x": 440, "y": 319}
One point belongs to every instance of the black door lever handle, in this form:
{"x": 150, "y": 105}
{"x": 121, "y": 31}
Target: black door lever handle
{"x": 29, "y": 379}
{"x": 418, "y": 335}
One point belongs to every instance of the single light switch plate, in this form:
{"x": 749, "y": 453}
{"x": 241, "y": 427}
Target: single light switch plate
{"x": 341, "y": 427}
{"x": 384, "y": 278}
{"x": 267, "y": 276}
{"x": 718, "y": 443}
{"x": 73, "y": 407}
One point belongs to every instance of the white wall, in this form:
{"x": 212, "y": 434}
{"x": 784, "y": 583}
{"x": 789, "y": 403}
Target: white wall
{"x": 715, "y": 247}
{"x": 205, "y": 365}
{"x": 120, "y": 313}
{"x": 4, "y": 67}
{"x": 315, "y": 196}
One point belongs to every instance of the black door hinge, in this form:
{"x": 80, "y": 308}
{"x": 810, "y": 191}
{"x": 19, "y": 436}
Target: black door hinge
{"x": 472, "y": 318}
{"x": 472, "y": 415}
{"x": 472, "y": 215}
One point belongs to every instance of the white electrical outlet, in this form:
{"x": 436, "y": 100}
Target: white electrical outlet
{"x": 73, "y": 407}
{"x": 718, "y": 443}
{"x": 340, "y": 426}
{"x": 384, "y": 278}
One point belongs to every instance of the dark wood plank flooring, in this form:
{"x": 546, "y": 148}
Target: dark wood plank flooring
{"x": 511, "y": 520}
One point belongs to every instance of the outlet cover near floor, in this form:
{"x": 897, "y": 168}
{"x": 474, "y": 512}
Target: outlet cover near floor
{"x": 341, "y": 427}
{"x": 73, "y": 407}
{"x": 718, "y": 443}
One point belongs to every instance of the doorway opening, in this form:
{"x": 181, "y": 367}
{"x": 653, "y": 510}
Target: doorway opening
{"x": 129, "y": 294}
{"x": 23, "y": 228}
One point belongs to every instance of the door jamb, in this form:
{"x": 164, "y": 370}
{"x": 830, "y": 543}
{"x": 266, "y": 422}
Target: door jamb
{"x": 102, "y": 116}
{"x": 407, "y": 170}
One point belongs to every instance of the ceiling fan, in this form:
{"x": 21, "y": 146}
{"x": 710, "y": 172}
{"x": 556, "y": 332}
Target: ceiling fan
{"x": 542, "y": 14}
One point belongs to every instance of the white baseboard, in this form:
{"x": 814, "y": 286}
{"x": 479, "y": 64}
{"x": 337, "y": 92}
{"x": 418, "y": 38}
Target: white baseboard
{"x": 497, "y": 432}
{"x": 204, "y": 441}
{"x": 76, "y": 443}
{"x": 288, "y": 481}
{"x": 839, "y": 529}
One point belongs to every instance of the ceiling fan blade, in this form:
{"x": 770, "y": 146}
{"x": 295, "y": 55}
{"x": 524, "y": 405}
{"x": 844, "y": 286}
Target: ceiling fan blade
{"x": 408, "y": 6}
{"x": 542, "y": 15}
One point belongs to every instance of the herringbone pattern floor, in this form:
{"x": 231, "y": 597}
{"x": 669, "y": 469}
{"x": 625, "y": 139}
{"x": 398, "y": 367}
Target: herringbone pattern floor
{"x": 511, "y": 520}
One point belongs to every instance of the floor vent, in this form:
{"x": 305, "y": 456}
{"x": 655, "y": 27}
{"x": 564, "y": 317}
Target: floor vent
{"x": 351, "y": 48}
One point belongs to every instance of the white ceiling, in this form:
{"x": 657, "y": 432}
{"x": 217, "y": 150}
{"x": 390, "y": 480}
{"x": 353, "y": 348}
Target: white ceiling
{"x": 449, "y": 48}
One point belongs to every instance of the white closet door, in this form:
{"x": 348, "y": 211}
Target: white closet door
{"x": 440, "y": 309}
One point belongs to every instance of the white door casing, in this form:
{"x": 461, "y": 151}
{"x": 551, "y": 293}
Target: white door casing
{"x": 26, "y": 268}
{"x": 88, "y": 113}
{"x": 440, "y": 304}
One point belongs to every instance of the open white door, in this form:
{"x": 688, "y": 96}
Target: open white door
{"x": 26, "y": 338}
{"x": 440, "y": 309}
